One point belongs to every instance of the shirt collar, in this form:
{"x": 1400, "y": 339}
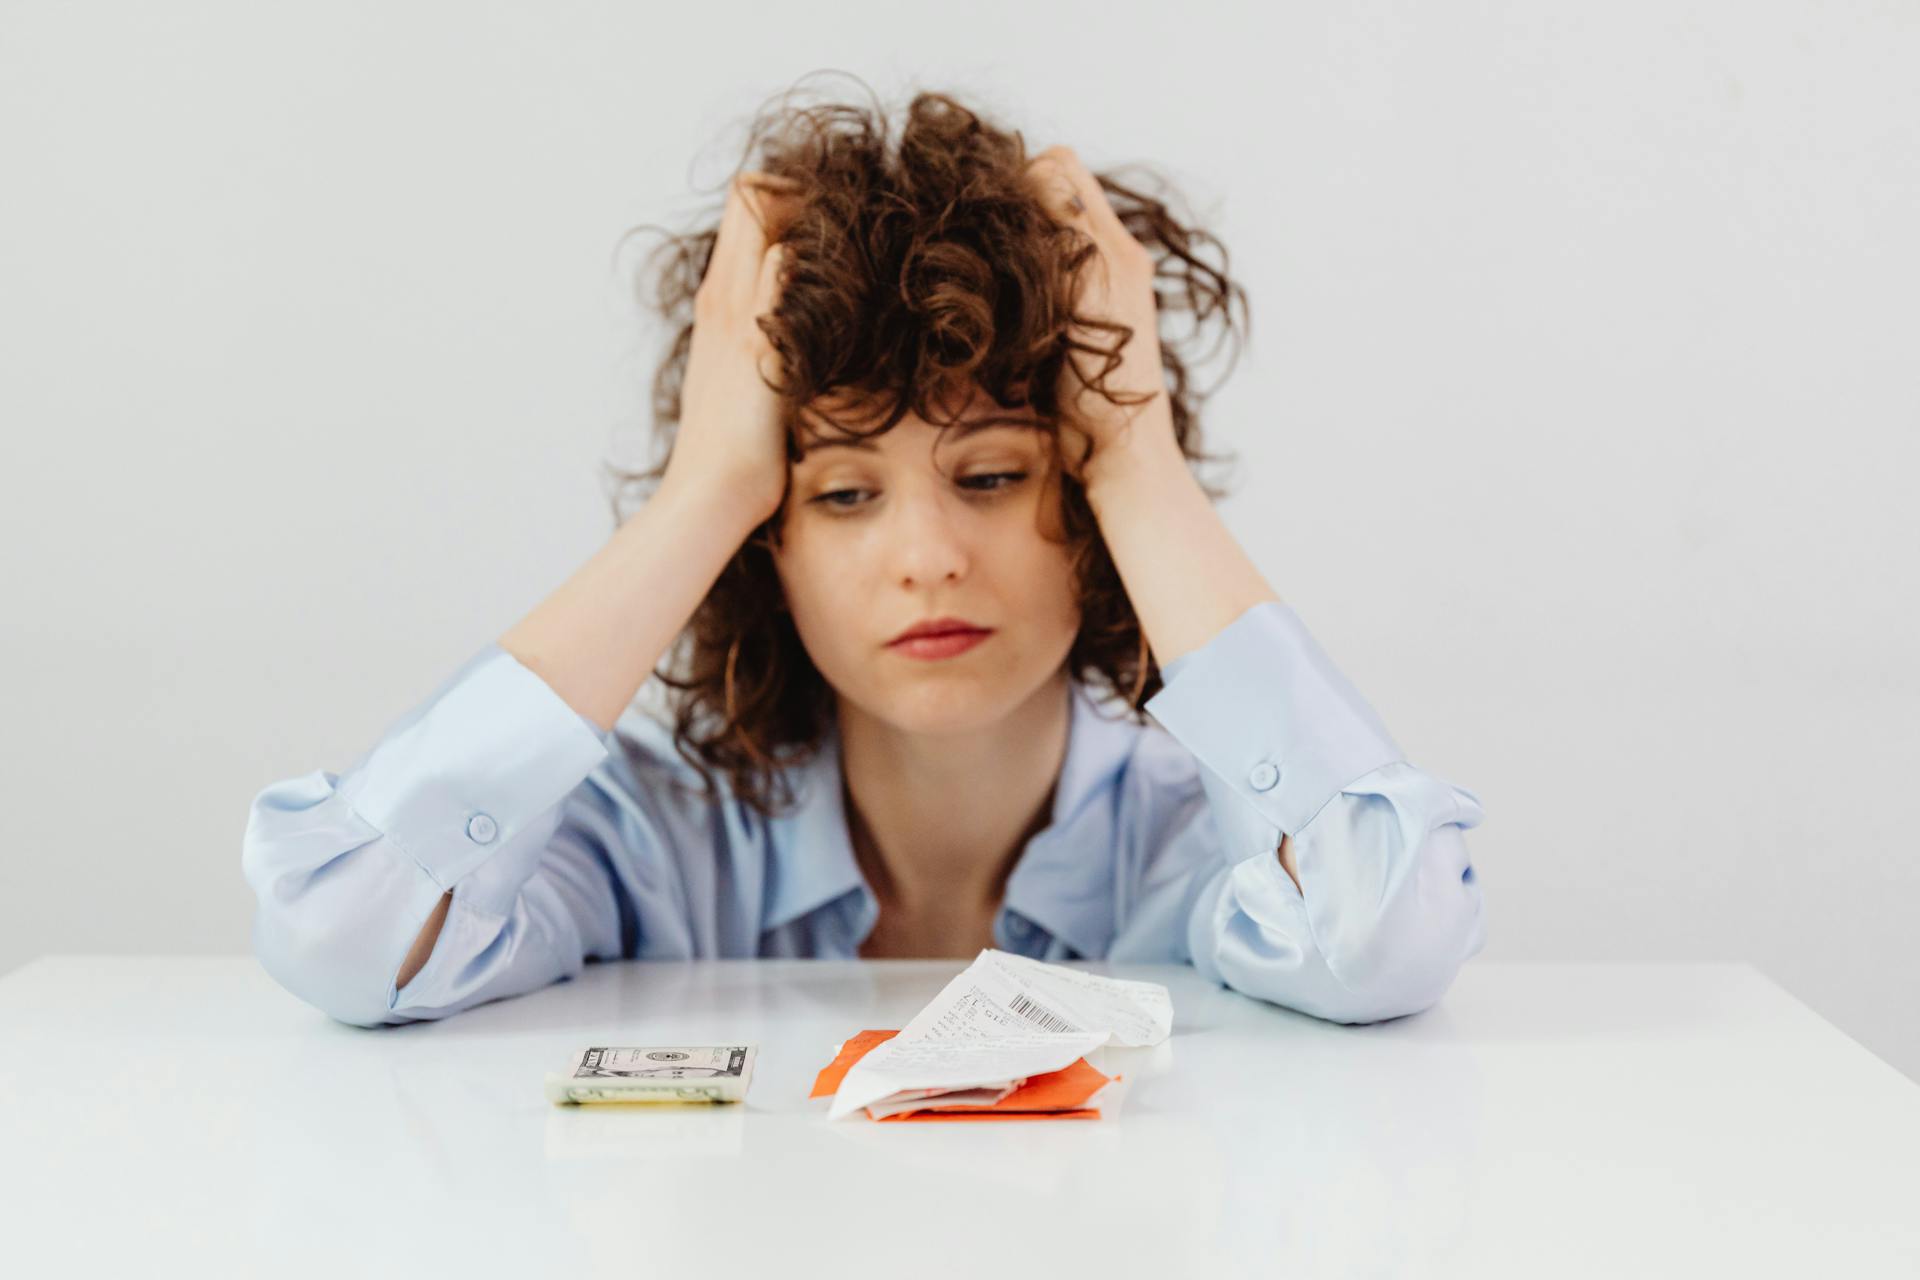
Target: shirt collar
{"x": 1064, "y": 879}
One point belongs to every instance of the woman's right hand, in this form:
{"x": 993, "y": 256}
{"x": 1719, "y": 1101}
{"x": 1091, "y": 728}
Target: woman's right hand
{"x": 731, "y": 429}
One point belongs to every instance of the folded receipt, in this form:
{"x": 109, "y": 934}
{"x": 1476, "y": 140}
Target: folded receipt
{"x": 1004, "y": 1018}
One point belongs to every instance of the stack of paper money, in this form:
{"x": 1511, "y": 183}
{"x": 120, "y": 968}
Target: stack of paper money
{"x": 1006, "y": 1039}
{"x": 699, "y": 1073}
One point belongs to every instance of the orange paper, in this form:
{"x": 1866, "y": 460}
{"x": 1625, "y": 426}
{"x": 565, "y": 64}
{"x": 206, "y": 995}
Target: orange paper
{"x": 1052, "y": 1095}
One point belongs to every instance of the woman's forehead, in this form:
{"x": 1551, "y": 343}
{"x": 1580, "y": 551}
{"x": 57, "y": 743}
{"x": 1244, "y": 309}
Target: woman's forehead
{"x": 846, "y": 419}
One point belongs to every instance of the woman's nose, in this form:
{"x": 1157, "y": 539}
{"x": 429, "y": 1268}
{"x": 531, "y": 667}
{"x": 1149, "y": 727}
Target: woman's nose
{"x": 929, "y": 538}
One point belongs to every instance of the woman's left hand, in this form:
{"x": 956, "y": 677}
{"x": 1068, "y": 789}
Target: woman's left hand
{"x": 1117, "y": 286}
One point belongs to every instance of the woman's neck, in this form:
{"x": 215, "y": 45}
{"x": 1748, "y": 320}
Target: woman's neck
{"x": 943, "y": 820}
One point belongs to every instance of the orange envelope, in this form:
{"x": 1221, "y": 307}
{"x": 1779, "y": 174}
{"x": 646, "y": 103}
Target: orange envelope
{"x": 1054, "y": 1095}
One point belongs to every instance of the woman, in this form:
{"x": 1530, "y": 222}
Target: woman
{"x": 927, "y": 510}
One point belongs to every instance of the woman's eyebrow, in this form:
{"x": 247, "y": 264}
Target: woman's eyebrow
{"x": 960, "y": 430}
{"x": 1028, "y": 427}
{"x": 817, "y": 445}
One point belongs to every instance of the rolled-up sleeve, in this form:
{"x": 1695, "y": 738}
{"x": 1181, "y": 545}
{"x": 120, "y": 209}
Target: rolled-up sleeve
{"x": 1388, "y": 907}
{"x": 464, "y": 793}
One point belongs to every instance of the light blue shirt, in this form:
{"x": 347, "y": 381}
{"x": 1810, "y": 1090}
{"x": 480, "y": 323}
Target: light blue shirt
{"x": 563, "y": 844}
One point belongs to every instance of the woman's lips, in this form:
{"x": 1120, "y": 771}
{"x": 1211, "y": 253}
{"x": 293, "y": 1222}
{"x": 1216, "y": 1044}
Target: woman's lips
{"x": 945, "y": 645}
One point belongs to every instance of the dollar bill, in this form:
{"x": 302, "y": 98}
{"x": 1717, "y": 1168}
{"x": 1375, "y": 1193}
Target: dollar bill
{"x": 696, "y": 1073}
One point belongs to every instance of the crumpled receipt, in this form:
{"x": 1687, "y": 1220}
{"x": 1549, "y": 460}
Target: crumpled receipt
{"x": 1002, "y": 1019}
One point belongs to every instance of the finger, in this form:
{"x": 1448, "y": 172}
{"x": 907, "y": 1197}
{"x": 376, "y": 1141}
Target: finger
{"x": 766, "y": 291}
{"x": 1055, "y": 187}
{"x": 777, "y": 210}
{"x": 1089, "y": 196}
{"x": 1064, "y": 198}
{"x": 773, "y": 181}
{"x": 769, "y": 196}
{"x": 748, "y": 224}
{"x": 738, "y": 247}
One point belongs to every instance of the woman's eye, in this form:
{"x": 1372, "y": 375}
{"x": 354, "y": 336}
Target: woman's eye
{"x": 985, "y": 483}
{"x": 1011, "y": 477}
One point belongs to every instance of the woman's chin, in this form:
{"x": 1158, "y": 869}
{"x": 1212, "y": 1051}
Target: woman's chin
{"x": 945, "y": 705}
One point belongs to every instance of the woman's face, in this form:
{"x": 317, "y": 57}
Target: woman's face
{"x": 884, "y": 534}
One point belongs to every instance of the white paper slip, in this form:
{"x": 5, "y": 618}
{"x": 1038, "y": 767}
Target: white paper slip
{"x": 1001, "y": 993}
{"x": 1138, "y": 1013}
{"x": 1002, "y": 1019}
{"x": 971, "y": 1062}
{"x": 695, "y": 1073}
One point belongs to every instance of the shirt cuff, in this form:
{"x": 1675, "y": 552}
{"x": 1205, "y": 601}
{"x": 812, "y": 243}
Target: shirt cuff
{"x": 456, "y": 778}
{"x": 1265, "y": 708}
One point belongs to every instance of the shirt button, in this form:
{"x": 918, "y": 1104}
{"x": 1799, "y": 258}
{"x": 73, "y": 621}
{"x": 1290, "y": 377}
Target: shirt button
{"x": 1263, "y": 777}
{"x": 481, "y": 828}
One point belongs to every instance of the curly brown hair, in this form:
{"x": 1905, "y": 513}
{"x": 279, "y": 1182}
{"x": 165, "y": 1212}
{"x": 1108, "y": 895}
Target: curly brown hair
{"x": 920, "y": 270}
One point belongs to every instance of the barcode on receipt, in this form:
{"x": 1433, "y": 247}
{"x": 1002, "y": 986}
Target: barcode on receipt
{"x": 1040, "y": 1016}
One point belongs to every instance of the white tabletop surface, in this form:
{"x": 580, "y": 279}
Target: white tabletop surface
{"x": 188, "y": 1116}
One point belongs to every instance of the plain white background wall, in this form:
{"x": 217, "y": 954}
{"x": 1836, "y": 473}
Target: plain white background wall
{"x": 1579, "y": 420}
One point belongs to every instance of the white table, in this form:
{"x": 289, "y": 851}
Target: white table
{"x": 187, "y": 1116}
